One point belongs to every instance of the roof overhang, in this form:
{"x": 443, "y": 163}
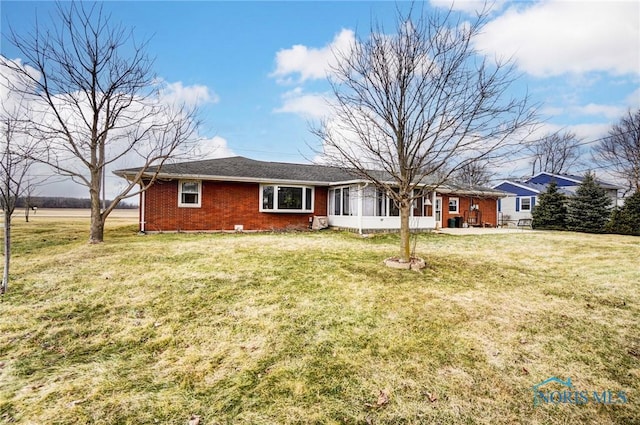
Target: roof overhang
{"x": 520, "y": 185}
{"x": 490, "y": 193}
{"x": 130, "y": 175}
{"x": 169, "y": 176}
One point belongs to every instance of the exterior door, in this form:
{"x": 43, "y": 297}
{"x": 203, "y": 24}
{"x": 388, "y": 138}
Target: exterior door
{"x": 438, "y": 212}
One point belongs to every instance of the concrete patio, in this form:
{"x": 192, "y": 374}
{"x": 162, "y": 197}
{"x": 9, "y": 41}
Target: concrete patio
{"x": 481, "y": 230}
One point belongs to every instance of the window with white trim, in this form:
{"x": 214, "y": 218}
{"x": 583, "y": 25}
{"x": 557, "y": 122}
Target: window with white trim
{"x": 394, "y": 208}
{"x": 189, "y": 193}
{"x": 343, "y": 200}
{"x": 525, "y": 204}
{"x": 382, "y": 203}
{"x": 454, "y": 205}
{"x": 281, "y": 198}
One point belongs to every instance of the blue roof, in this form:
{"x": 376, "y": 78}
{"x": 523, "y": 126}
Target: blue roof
{"x": 545, "y": 178}
{"x": 519, "y": 188}
{"x": 567, "y": 184}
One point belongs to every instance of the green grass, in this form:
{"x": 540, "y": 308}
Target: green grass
{"x": 306, "y": 328}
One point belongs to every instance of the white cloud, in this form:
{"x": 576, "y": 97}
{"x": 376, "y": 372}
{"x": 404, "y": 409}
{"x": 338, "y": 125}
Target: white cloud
{"x": 591, "y": 131}
{"x": 585, "y": 132}
{"x": 610, "y": 112}
{"x": 137, "y": 117}
{"x": 11, "y": 84}
{"x": 309, "y": 62}
{"x": 213, "y": 147}
{"x": 191, "y": 96}
{"x": 467, "y": 6}
{"x": 558, "y": 37}
{"x": 633, "y": 100}
{"x": 307, "y": 105}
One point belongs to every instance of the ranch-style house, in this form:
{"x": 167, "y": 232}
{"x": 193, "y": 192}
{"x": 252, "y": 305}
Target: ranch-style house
{"x": 242, "y": 194}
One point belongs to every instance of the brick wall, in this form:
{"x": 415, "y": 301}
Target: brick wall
{"x": 223, "y": 205}
{"x": 487, "y": 206}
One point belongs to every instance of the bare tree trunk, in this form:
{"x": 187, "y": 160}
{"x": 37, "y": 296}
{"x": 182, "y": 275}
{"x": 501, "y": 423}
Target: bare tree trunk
{"x": 405, "y": 231}
{"x": 96, "y": 231}
{"x": 7, "y": 252}
{"x": 27, "y": 202}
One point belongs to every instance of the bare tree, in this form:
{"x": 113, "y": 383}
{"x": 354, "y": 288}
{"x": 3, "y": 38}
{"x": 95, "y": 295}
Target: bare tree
{"x": 620, "y": 151}
{"x": 555, "y": 153}
{"x": 27, "y": 197}
{"x": 475, "y": 173}
{"x": 420, "y": 105}
{"x": 15, "y": 153}
{"x": 96, "y": 102}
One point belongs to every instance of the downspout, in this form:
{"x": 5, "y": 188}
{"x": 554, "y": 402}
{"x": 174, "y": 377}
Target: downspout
{"x": 433, "y": 209}
{"x": 361, "y": 206}
{"x": 142, "y": 211}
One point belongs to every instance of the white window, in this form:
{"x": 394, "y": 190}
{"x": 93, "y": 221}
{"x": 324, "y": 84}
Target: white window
{"x": 525, "y": 204}
{"x": 343, "y": 201}
{"x": 276, "y": 198}
{"x": 369, "y": 201}
{"x": 454, "y": 205}
{"x": 189, "y": 193}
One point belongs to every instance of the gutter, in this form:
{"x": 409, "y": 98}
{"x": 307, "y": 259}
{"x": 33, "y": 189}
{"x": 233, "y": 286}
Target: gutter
{"x": 361, "y": 206}
{"x": 143, "y": 219}
{"x": 439, "y": 189}
{"x": 227, "y": 178}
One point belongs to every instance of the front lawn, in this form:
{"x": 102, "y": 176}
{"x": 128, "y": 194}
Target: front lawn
{"x": 302, "y": 328}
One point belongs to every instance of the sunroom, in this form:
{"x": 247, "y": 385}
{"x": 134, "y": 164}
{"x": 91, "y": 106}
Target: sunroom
{"x": 364, "y": 208}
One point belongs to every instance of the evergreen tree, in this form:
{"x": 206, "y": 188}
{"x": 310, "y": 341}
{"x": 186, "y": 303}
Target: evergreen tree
{"x": 550, "y": 212}
{"x": 589, "y": 210}
{"x": 631, "y": 213}
{"x": 615, "y": 224}
{"x": 626, "y": 220}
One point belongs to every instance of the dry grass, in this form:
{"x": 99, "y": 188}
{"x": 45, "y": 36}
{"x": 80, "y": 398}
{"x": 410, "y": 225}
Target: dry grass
{"x": 310, "y": 328}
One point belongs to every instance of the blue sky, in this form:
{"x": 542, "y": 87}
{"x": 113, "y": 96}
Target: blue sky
{"x": 259, "y": 68}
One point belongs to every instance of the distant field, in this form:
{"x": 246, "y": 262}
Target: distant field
{"x": 118, "y": 214}
{"x": 310, "y": 328}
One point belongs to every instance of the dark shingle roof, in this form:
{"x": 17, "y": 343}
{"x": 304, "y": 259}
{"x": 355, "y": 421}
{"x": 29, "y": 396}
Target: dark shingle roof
{"x": 245, "y": 168}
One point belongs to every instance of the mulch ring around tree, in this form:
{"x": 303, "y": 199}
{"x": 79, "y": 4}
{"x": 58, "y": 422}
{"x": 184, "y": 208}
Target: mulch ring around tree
{"x": 414, "y": 263}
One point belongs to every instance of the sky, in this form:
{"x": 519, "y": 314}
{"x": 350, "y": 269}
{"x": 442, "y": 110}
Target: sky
{"x": 258, "y": 70}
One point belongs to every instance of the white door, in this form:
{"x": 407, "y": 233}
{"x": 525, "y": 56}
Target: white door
{"x": 438, "y": 212}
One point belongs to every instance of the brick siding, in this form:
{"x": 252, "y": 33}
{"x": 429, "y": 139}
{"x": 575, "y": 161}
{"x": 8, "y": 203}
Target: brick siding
{"x": 487, "y": 206}
{"x": 227, "y": 204}
{"x": 223, "y": 206}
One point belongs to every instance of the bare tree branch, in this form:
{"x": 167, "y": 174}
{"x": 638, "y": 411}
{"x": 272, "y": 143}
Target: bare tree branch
{"x": 620, "y": 151}
{"x": 96, "y": 101}
{"x": 412, "y": 108}
{"x": 15, "y": 152}
{"x": 474, "y": 174}
{"x": 555, "y": 153}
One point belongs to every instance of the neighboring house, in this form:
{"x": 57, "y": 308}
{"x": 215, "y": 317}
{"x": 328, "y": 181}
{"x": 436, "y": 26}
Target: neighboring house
{"x": 523, "y": 195}
{"x": 241, "y": 194}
